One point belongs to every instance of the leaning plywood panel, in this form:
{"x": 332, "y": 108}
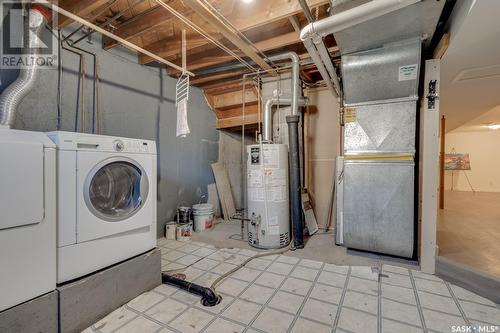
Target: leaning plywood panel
{"x": 213, "y": 199}
{"x": 224, "y": 190}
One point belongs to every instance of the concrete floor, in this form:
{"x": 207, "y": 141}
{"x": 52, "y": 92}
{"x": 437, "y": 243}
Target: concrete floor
{"x": 469, "y": 230}
{"x": 285, "y": 294}
{"x": 320, "y": 247}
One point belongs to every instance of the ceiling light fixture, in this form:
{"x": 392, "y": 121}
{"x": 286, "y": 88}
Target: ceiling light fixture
{"x": 493, "y": 126}
{"x": 247, "y": 1}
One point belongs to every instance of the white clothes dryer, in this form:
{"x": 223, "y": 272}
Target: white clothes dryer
{"x": 27, "y": 216}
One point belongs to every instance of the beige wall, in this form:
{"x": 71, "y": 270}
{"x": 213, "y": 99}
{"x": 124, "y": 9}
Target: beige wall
{"x": 322, "y": 129}
{"x": 484, "y": 150}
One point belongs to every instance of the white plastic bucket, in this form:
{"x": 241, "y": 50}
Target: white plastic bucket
{"x": 203, "y": 215}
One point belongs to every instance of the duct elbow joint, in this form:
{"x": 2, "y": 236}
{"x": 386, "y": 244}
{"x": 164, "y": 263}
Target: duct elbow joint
{"x": 307, "y": 32}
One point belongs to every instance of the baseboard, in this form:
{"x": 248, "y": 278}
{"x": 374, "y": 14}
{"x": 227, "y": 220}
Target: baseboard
{"x": 483, "y": 284}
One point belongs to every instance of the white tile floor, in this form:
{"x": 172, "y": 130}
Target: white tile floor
{"x": 286, "y": 294}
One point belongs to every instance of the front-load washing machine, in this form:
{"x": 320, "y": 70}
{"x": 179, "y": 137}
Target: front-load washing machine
{"x": 106, "y": 201}
{"x": 27, "y": 216}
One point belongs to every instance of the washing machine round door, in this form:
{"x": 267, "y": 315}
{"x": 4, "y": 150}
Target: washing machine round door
{"x": 116, "y": 189}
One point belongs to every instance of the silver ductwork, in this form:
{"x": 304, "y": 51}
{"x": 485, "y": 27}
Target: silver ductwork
{"x": 354, "y": 16}
{"x": 267, "y": 118}
{"x": 14, "y": 94}
{"x": 295, "y": 60}
{"x": 381, "y": 44}
{"x": 312, "y": 34}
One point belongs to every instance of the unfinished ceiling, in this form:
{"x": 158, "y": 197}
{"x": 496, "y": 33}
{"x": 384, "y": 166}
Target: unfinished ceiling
{"x": 248, "y": 31}
{"x": 270, "y": 25}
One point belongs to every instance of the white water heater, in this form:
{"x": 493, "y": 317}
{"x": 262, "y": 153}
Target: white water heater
{"x": 268, "y": 203}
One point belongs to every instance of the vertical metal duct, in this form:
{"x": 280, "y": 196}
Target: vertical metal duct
{"x": 14, "y": 94}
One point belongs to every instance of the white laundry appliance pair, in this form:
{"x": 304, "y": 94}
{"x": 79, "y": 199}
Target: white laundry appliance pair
{"x": 70, "y": 205}
{"x": 106, "y": 201}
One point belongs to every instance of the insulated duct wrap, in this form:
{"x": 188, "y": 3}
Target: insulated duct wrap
{"x": 14, "y": 94}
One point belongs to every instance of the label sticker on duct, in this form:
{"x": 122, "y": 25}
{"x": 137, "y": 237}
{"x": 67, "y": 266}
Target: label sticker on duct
{"x": 272, "y": 221}
{"x": 408, "y": 72}
{"x": 273, "y": 231}
{"x": 350, "y": 115}
{"x": 255, "y": 178}
{"x": 271, "y": 157}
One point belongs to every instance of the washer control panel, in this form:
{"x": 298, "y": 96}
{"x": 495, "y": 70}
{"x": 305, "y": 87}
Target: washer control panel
{"x": 118, "y": 145}
{"x": 136, "y": 146}
{"x": 92, "y": 142}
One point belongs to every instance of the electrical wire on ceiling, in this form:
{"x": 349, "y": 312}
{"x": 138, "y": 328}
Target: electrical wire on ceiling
{"x": 231, "y": 26}
{"x": 108, "y": 23}
{"x": 205, "y": 34}
{"x": 93, "y": 18}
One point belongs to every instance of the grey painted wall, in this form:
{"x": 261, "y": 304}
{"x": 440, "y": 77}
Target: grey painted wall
{"x": 135, "y": 101}
{"x": 230, "y": 155}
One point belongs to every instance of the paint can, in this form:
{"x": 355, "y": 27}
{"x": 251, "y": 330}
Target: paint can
{"x": 203, "y": 216}
{"x": 184, "y": 232}
{"x": 170, "y": 230}
{"x": 183, "y": 214}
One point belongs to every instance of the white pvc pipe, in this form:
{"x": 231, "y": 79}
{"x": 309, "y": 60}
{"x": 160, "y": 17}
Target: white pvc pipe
{"x": 352, "y": 17}
{"x": 320, "y": 65}
{"x": 325, "y": 55}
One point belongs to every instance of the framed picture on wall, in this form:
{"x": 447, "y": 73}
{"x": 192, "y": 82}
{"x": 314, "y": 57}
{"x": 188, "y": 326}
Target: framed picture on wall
{"x": 456, "y": 161}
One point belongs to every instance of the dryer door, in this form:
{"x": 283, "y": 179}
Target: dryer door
{"x": 116, "y": 195}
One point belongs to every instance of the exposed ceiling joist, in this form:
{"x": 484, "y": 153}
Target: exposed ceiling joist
{"x": 237, "y": 121}
{"x": 169, "y": 49}
{"x": 232, "y": 75}
{"x": 81, "y": 8}
{"x": 219, "y": 88}
{"x": 148, "y": 21}
{"x": 199, "y": 7}
{"x": 233, "y": 99}
{"x": 294, "y": 21}
{"x": 216, "y": 57}
{"x": 104, "y": 32}
{"x": 198, "y": 80}
{"x": 264, "y": 12}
